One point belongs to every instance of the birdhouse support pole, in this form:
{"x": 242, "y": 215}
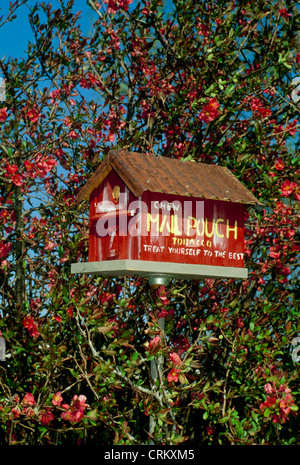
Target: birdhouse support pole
{"x": 156, "y": 370}
{"x": 157, "y": 364}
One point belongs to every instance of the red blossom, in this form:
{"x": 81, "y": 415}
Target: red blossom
{"x": 210, "y": 430}
{"x": 162, "y": 294}
{"x": 5, "y": 248}
{"x": 173, "y": 375}
{"x": 70, "y": 312}
{"x": 203, "y": 30}
{"x": 287, "y": 187}
{"x": 32, "y": 113}
{"x": 176, "y": 360}
{"x": 115, "y": 5}
{"x": 168, "y": 314}
{"x": 75, "y": 412}
{"x": 46, "y": 416}
{"x": 16, "y": 412}
{"x": 106, "y": 298}
{"x": 17, "y": 179}
{"x": 54, "y": 96}
{"x": 28, "y": 165}
{"x": 3, "y": 114}
{"x": 278, "y": 402}
{"x": 11, "y": 169}
{"x": 258, "y": 108}
{"x": 29, "y": 412}
{"x": 28, "y": 399}
{"x": 279, "y": 165}
{"x": 284, "y": 13}
{"x": 31, "y": 326}
{"x": 154, "y": 343}
{"x": 210, "y": 111}
{"x": 274, "y": 254}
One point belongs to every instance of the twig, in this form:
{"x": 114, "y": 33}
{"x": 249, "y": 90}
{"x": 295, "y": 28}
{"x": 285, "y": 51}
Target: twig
{"x": 116, "y": 370}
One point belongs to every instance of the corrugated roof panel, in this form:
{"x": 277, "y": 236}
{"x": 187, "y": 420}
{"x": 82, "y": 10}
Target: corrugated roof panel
{"x": 142, "y": 172}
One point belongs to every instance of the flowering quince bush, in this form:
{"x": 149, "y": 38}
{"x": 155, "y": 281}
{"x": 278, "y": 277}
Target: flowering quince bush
{"x": 204, "y": 81}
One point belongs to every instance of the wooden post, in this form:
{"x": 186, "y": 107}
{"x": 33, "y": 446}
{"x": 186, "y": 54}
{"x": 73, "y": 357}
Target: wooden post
{"x": 156, "y": 367}
{"x": 2, "y": 349}
{"x": 157, "y": 364}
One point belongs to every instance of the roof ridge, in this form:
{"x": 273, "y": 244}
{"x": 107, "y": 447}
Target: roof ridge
{"x": 146, "y": 172}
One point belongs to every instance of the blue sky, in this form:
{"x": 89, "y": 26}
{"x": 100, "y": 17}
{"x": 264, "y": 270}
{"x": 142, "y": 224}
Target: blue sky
{"x": 15, "y": 35}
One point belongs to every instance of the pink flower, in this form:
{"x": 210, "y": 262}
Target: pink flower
{"x": 175, "y": 359}
{"x": 69, "y": 416}
{"x": 274, "y": 254}
{"x": 278, "y": 404}
{"x": 50, "y": 245}
{"x": 3, "y": 114}
{"x": 73, "y": 135}
{"x": 268, "y": 388}
{"x": 114, "y": 5}
{"x": 54, "y": 95}
{"x": 46, "y": 416}
{"x": 154, "y": 343}
{"x": 16, "y": 412}
{"x": 75, "y": 412}
{"x": 29, "y": 412}
{"x": 162, "y": 294}
{"x": 173, "y": 375}
{"x": 57, "y": 398}
{"x": 28, "y": 399}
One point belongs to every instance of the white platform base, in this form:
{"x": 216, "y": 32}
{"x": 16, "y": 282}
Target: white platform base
{"x": 146, "y": 269}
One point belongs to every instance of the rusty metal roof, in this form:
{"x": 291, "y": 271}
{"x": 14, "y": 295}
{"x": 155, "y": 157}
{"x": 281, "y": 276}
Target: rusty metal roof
{"x": 142, "y": 172}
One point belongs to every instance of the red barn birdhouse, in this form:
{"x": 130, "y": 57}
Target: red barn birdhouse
{"x": 157, "y": 216}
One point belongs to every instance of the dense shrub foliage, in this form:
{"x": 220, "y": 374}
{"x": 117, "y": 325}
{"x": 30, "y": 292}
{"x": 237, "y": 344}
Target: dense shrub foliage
{"x": 208, "y": 81}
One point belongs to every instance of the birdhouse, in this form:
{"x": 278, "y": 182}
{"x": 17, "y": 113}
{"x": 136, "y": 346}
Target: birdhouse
{"x": 163, "y": 217}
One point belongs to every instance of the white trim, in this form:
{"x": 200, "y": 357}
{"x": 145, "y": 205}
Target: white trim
{"x": 144, "y": 268}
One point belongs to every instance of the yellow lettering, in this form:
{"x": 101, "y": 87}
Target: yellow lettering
{"x": 155, "y": 220}
{"x": 212, "y": 230}
{"x": 228, "y": 229}
{"x": 198, "y": 230}
{"x": 163, "y": 223}
{"x": 189, "y": 225}
{"x": 218, "y": 221}
{"x": 175, "y": 230}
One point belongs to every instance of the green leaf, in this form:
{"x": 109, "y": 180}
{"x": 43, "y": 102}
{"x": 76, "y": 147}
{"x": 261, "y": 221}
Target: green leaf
{"x": 229, "y": 89}
{"x": 206, "y": 386}
{"x": 134, "y": 356}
